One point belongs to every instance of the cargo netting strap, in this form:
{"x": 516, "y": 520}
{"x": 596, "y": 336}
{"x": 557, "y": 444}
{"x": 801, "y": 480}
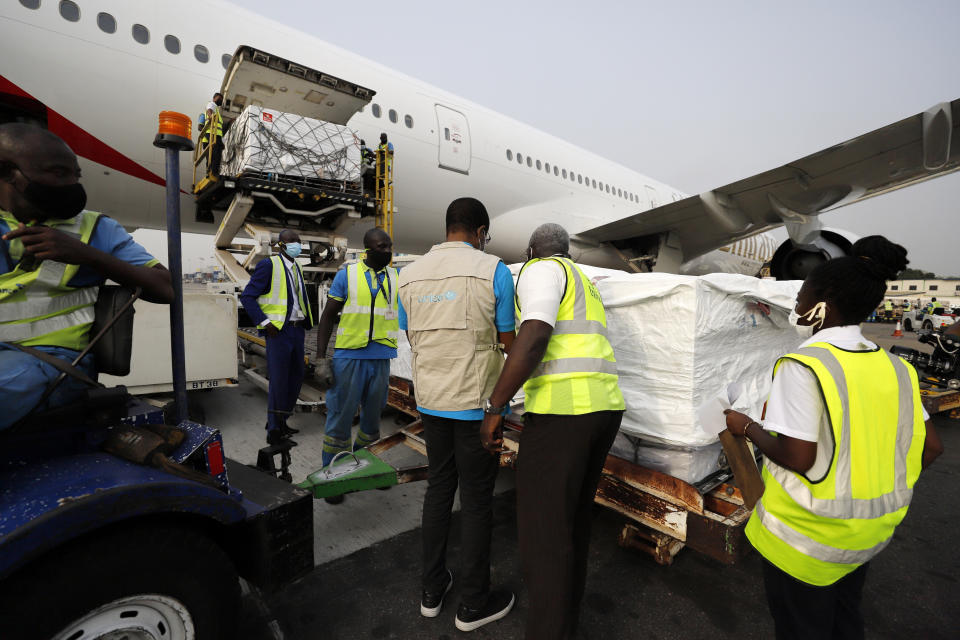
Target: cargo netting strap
{"x": 292, "y": 150}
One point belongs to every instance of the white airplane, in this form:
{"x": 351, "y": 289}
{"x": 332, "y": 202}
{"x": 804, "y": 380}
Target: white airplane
{"x": 97, "y": 72}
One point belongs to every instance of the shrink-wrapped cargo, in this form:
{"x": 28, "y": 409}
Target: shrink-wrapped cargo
{"x": 291, "y": 149}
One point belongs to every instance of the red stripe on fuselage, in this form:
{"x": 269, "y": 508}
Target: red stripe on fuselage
{"x": 84, "y": 144}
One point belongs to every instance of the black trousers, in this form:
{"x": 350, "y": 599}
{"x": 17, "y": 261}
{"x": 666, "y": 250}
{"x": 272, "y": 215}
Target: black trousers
{"x": 456, "y": 457}
{"x": 802, "y": 611}
{"x": 558, "y": 470}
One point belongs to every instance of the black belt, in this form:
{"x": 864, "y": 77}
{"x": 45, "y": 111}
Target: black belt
{"x": 297, "y": 323}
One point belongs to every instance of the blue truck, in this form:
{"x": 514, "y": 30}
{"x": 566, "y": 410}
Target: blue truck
{"x": 118, "y": 521}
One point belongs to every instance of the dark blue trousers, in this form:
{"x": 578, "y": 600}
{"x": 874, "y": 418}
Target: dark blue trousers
{"x": 285, "y": 368}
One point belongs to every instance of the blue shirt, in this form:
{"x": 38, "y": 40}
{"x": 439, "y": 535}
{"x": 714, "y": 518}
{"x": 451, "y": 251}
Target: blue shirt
{"x": 373, "y": 350}
{"x": 109, "y": 237}
{"x": 504, "y": 320}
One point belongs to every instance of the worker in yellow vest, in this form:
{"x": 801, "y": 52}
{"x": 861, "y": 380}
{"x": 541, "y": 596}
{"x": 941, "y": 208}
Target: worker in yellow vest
{"x": 215, "y": 127}
{"x": 54, "y": 256}
{"x": 888, "y": 310}
{"x": 277, "y": 302}
{"x": 844, "y": 437}
{"x": 573, "y": 408}
{"x": 365, "y": 296}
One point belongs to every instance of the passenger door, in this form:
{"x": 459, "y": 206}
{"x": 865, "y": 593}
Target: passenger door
{"x": 454, "y": 134}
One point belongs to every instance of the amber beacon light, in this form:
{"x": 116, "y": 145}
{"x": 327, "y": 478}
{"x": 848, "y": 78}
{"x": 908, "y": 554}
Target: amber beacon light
{"x": 173, "y": 131}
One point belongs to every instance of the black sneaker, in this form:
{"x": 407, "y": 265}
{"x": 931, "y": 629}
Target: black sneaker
{"x": 432, "y": 601}
{"x": 499, "y": 604}
{"x": 289, "y": 431}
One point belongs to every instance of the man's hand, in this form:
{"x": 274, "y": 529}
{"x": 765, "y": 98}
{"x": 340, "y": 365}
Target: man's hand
{"x": 323, "y": 373}
{"x": 46, "y": 243}
{"x": 737, "y": 422}
{"x": 271, "y": 330}
{"x": 491, "y": 433}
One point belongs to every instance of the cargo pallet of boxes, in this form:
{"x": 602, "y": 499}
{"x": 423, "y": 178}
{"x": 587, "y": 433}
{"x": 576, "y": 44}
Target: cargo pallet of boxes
{"x": 681, "y": 343}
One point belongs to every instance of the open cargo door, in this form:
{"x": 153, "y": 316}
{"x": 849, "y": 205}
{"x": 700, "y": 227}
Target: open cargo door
{"x": 261, "y": 79}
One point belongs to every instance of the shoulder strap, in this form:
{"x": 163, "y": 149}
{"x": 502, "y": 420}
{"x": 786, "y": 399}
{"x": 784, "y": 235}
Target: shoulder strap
{"x": 58, "y": 363}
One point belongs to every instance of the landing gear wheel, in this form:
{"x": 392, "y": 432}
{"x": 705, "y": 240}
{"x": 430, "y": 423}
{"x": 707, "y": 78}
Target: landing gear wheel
{"x": 153, "y": 581}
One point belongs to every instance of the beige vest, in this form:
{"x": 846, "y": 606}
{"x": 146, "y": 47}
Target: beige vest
{"x": 450, "y": 304}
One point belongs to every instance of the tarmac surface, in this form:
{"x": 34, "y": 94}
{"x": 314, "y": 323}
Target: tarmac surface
{"x": 367, "y": 580}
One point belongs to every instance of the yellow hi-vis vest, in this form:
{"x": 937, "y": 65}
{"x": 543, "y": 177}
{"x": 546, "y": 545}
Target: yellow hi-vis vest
{"x": 37, "y": 307}
{"x": 274, "y": 302}
{"x": 216, "y": 126}
{"x": 363, "y": 319}
{"x": 820, "y": 528}
{"x": 578, "y": 373}
{"x": 888, "y": 306}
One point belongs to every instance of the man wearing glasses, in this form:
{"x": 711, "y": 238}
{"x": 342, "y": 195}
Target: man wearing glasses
{"x": 456, "y": 305}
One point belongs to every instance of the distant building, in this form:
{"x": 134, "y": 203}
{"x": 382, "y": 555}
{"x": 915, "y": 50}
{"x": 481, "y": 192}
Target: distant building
{"x": 946, "y": 291}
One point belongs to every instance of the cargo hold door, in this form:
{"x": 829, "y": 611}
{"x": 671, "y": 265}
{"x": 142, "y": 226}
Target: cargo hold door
{"x": 454, "y": 133}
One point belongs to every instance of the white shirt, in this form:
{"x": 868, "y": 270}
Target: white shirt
{"x": 295, "y": 313}
{"x": 212, "y": 106}
{"x": 540, "y": 290}
{"x": 795, "y": 407}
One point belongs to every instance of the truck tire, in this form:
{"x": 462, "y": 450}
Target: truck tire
{"x": 927, "y": 325}
{"x": 171, "y": 579}
{"x": 907, "y": 325}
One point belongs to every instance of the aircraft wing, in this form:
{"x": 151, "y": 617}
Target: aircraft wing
{"x": 918, "y": 148}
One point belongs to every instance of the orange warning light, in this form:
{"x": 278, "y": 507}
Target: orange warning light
{"x": 174, "y": 124}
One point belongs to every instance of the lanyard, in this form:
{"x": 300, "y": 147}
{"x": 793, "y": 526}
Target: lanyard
{"x": 388, "y": 293}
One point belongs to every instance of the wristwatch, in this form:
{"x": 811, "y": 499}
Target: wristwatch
{"x": 489, "y": 409}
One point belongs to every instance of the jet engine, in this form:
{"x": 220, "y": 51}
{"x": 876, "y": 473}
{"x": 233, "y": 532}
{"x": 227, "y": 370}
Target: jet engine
{"x": 797, "y": 257}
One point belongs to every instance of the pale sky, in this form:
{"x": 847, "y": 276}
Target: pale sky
{"x": 696, "y": 94}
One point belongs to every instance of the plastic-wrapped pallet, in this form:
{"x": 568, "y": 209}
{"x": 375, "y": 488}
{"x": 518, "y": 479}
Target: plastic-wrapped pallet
{"x": 681, "y": 340}
{"x": 291, "y": 148}
{"x": 690, "y": 464}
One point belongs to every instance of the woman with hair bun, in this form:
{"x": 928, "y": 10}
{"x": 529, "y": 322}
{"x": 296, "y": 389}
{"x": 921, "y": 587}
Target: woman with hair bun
{"x": 844, "y": 437}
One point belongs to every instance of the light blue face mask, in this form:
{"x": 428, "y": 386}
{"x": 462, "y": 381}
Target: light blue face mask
{"x": 293, "y": 249}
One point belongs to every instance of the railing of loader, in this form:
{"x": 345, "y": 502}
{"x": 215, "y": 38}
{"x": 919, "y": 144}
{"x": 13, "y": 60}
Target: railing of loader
{"x": 384, "y": 218}
{"x": 203, "y": 153}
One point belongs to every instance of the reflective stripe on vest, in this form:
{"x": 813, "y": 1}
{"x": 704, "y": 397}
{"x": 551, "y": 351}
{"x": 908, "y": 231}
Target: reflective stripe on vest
{"x": 820, "y": 531}
{"x": 578, "y": 373}
{"x": 274, "y": 302}
{"x": 219, "y": 125}
{"x": 355, "y": 330}
{"x": 38, "y": 307}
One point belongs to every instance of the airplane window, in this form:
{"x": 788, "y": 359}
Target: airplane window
{"x": 446, "y": 132}
{"x": 509, "y": 155}
{"x": 556, "y": 171}
{"x": 201, "y": 54}
{"x": 393, "y": 116}
{"x": 225, "y": 60}
{"x": 141, "y": 34}
{"x": 539, "y": 165}
{"x": 619, "y": 193}
{"x": 579, "y": 178}
{"x": 31, "y": 4}
{"x": 519, "y": 158}
{"x": 601, "y": 185}
{"x": 69, "y": 10}
{"x": 608, "y": 188}
{"x": 106, "y": 22}
{"x": 593, "y": 183}
{"x": 564, "y": 174}
{"x": 408, "y": 120}
{"x": 529, "y": 161}
{"x": 172, "y": 44}
{"x": 546, "y": 167}
{"x": 376, "y": 110}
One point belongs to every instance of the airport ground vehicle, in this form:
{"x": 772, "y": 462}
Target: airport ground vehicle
{"x": 112, "y": 525}
{"x": 921, "y": 319}
{"x": 940, "y": 369}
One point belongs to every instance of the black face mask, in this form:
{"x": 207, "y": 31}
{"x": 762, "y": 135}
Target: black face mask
{"x": 377, "y": 260}
{"x": 59, "y": 202}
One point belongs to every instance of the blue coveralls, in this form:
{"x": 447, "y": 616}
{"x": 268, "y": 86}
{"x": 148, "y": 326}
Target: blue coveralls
{"x": 361, "y": 378}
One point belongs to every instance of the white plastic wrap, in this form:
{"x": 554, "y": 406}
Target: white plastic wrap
{"x": 286, "y": 146}
{"x": 402, "y": 365}
{"x": 690, "y": 464}
{"x": 681, "y": 340}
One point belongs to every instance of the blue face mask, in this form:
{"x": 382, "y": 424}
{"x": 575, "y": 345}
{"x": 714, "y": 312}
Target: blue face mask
{"x": 292, "y": 249}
